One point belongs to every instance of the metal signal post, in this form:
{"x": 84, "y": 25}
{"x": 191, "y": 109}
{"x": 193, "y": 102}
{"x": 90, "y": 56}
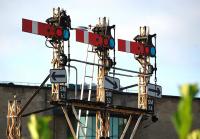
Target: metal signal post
{"x": 56, "y": 31}
{"x": 59, "y": 20}
{"x": 146, "y": 68}
{"x": 102, "y": 40}
{"x": 143, "y": 49}
{"x": 102, "y": 118}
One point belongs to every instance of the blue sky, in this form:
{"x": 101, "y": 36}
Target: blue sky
{"x": 24, "y": 57}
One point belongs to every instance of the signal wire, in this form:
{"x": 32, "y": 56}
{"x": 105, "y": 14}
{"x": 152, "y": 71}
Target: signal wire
{"x": 155, "y": 64}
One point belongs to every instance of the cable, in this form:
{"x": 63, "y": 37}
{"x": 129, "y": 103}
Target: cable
{"x": 47, "y": 45}
{"x": 155, "y": 64}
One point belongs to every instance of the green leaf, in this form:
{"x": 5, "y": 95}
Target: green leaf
{"x": 39, "y": 127}
{"x": 194, "y": 135}
{"x": 182, "y": 119}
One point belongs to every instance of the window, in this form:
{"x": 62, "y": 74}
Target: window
{"x": 116, "y": 127}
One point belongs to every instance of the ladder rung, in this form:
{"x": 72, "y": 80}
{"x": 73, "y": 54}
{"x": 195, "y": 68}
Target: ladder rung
{"x": 92, "y": 51}
{"x": 89, "y": 76}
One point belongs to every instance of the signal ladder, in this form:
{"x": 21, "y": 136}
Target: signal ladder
{"x": 88, "y": 74}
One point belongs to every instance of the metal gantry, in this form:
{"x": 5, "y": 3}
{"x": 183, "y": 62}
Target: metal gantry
{"x": 57, "y": 31}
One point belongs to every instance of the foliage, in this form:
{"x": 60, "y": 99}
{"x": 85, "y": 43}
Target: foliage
{"x": 182, "y": 119}
{"x": 39, "y": 127}
{"x": 194, "y": 135}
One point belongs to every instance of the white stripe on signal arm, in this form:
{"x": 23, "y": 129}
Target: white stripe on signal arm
{"x": 128, "y": 46}
{"x": 86, "y": 40}
{"x": 34, "y": 27}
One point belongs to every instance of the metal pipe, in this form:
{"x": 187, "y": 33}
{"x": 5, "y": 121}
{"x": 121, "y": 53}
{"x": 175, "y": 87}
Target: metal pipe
{"x": 80, "y": 61}
{"x": 126, "y": 127}
{"x": 136, "y": 126}
{"x": 69, "y": 61}
{"x": 120, "y": 74}
{"x": 69, "y": 122}
{"x": 76, "y": 116}
{"x": 126, "y": 70}
{"x": 114, "y": 58}
{"x": 89, "y": 63}
{"x": 76, "y": 79}
{"x": 130, "y": 86}
{"x": 31, "y": 98}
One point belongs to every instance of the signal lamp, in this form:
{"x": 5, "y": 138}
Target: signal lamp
{"x": 111, "y": 43}
{"x": 66, "y": 34}
{"x": 147, "y": 51}
{"x": 105, "y": 42}
{"x": 152, "y": 51}
{"x": 59, "y": 32}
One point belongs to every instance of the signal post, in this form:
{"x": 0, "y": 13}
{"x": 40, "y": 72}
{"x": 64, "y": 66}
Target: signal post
{"x": 146, "y": 69}
{"x": 103, "y": 118}
{"x": 103, "y": 42}
{"x": 62, "y": 22}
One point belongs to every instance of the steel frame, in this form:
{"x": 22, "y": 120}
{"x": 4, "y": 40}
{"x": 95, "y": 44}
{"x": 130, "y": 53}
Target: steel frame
{"x": 13, "y": 121}
{"x": 102, "y": 110}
